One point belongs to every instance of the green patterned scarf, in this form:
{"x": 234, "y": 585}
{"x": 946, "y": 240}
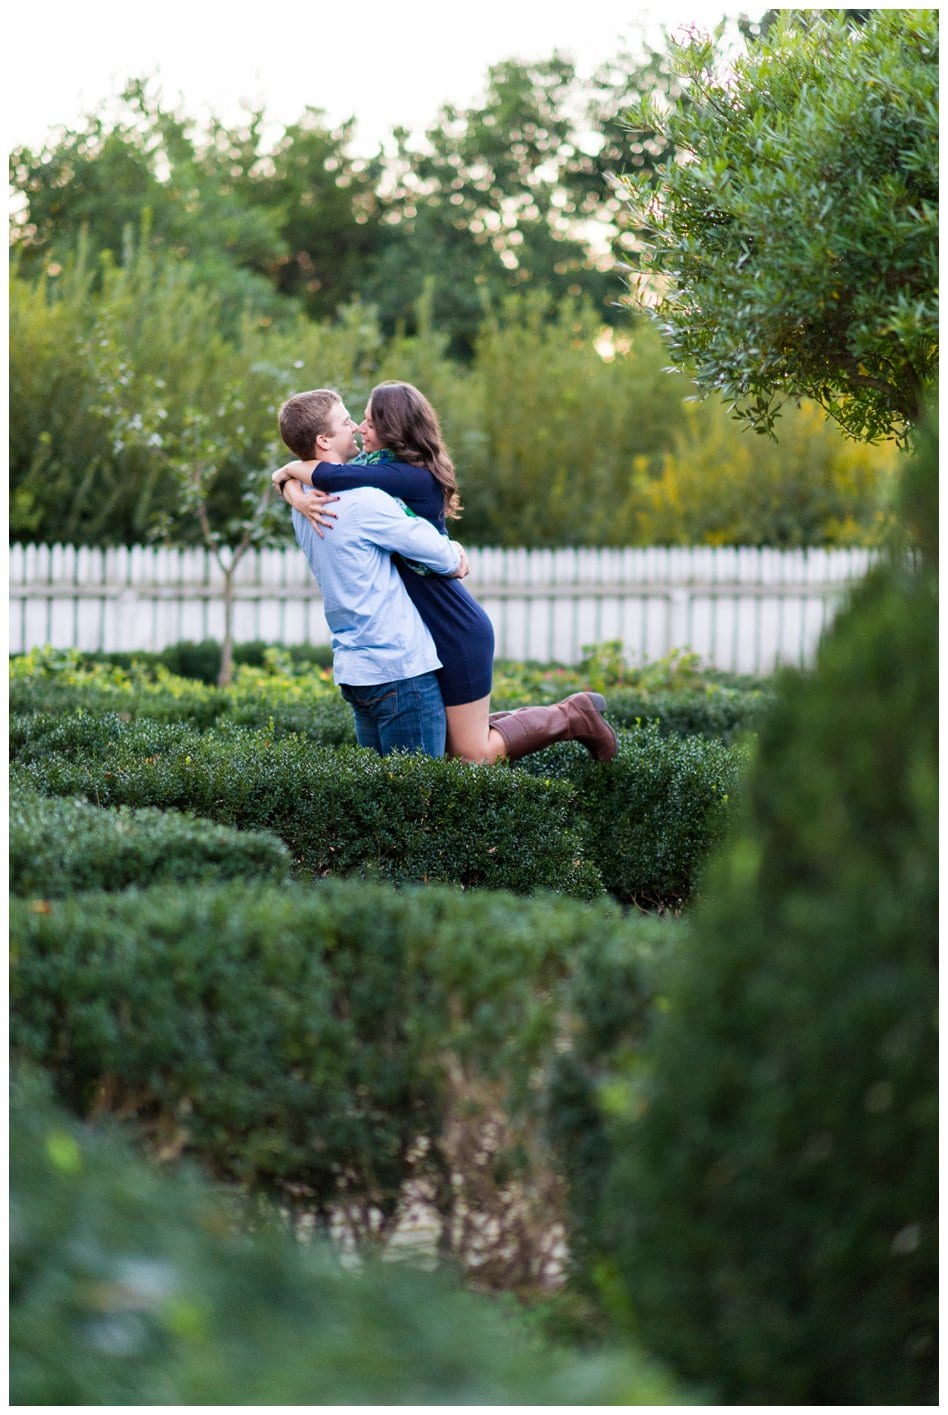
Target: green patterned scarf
{"x": 370, "y": 459}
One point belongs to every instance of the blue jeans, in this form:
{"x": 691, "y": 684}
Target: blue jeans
{"x": 407, "y": 715}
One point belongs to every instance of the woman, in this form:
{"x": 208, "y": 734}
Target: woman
{"x": 404, "y": 454}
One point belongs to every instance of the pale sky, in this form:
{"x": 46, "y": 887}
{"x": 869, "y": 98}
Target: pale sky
{"x": 387, "y": 64}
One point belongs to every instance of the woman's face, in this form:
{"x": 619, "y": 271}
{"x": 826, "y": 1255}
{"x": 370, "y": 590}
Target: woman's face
{"x": 370, "y": 442}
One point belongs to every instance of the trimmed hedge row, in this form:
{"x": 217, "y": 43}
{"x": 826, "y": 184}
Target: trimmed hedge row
{"x": 340, "y": 811}
{"x": 290, "y": 697}
{"x": 327, "y": 1045}
{"x": 654, "y": 815}
{"x": 325, "y": 717}
{"x": 720, "y": 712}
{"x": 60, "y": 847}
{"x": 314, "y": 711}
{"x": 642, "y": 825}
{"x": 129, "y": 1287}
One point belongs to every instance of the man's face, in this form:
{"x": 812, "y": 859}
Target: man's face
{"x": 341, "y": 433}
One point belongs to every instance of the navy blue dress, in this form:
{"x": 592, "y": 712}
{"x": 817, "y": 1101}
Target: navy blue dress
{"x": 463, "y": 634}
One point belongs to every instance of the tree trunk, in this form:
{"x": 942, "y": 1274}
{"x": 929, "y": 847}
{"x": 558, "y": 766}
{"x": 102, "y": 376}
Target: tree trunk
{"x": 227, "y": 648}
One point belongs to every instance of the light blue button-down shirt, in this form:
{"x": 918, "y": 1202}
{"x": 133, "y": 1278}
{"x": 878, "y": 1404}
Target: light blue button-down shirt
{"x": 378, "y": 636}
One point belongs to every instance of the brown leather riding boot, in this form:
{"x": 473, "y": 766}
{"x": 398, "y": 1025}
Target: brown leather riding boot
{"x": 577, "y": 718}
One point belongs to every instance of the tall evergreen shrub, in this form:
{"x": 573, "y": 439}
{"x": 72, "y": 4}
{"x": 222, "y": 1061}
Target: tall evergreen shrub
{"x": 772, "y": 1187}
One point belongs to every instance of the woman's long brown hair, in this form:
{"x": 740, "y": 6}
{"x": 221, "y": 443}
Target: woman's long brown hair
{"x": 407, "y": 424}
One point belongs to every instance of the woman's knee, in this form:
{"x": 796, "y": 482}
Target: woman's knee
{"x": 481, "y": 747}
{"x": 469, "y": 732}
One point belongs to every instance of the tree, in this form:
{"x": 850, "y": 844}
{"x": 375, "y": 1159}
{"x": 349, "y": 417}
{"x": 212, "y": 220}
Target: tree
{"x": 193, "y": 447}
{"x": 510, "y": 194}
{"x": 502, "y": 197}
{"x": 261, "y": 225}
{"x": 144, "y": 174}
{"x": 789, "y": 247}
{"x": 58, "y": 456}
{"x": 322, "y": 200}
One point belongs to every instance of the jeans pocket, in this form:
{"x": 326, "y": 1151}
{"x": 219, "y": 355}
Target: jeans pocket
{"x": 369, "y": 698}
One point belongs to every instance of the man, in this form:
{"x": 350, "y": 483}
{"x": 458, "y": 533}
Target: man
{"x": 384, "y": 658}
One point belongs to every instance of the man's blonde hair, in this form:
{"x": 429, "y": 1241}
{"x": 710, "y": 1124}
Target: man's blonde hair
{"x": 304, "y": 417}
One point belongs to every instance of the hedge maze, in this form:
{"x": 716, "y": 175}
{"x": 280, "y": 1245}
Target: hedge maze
{"x": 651, "y": 1042}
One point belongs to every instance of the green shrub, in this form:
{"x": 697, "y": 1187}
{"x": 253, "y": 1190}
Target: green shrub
{"x": 326, "y": 1045}
{"x": 82, "y": 736}
{"x": 216, "y": 1015}
{"x": 339, "y": 810}
{"x": 202, "y": 660}
{"x": 813, "y": 486}
{"x": 605, "y": 668}
{"x": 59, "y": 847}
{"x": 132, "y": 1288}
{"x": 654, "y": 814}
{"x": 300, "y": 705}
{"x": 103, "y": 690}
{"x": 646, "y": 821}
{"x": 609, "y": 1004}
{"x": 326, "y": 719}
{"x": 771, "y": 1203}
{"x": 276, "y": 696}
{"x": 712, "y": 711}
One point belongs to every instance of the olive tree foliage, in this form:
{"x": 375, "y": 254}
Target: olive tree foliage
{"x": 788, "y": 247}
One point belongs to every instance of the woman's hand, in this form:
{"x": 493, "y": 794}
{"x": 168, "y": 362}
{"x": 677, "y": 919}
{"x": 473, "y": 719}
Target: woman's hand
{"x": 311, "y": 504}
{"x": 463, "y": 568}
{"x": 299, "y": 471}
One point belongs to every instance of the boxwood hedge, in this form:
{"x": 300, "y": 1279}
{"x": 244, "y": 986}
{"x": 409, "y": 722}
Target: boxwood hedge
{"x": 311, "y": 706}
{"x": 641, "y": 825}
{"x": 715, "y": 710}
{"x": 130, "y": 1287}
{"x": 60, "y": 682}
{"x": 326, "y": 1045}
{"x": 339, "y": 810}
{"x": 59, "y": 847}
{"x": 654, "y": 815}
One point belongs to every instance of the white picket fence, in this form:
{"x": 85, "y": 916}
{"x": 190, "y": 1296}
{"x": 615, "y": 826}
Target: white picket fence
{"x": 742, "y": 610}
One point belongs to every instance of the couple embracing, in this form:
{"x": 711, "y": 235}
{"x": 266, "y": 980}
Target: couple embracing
{"x": 413, "y": 651}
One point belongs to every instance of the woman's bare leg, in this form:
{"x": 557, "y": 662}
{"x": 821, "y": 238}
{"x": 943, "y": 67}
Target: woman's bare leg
{"x": 470, "y": 735}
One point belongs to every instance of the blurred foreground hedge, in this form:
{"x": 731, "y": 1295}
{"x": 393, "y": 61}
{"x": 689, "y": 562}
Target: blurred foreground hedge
{"x": 132, "y": 1288}
{"x": 346, "y": 1049}
{"x": 754, "y": 1175}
